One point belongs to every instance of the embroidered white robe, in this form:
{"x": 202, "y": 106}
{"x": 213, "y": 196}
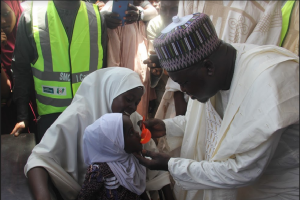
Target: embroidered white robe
{"x": 258, "y": 138}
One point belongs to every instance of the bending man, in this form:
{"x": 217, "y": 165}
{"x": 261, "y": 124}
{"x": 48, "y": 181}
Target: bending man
{"x": 241, "y": 126}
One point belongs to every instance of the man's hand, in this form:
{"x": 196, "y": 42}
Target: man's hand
{"x": 156, "y": 126}
{"x": 111, "y": 19}
{"x": 3, "y": 38}
{"x": 159, "y": 160}
{"x": 132, "y": 14}
{"x": 152, "y": 63}
{"x": 19, "y": 127}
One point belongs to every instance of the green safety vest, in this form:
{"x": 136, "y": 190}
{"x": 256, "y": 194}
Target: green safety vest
{"x": 62, "y": 65}
{"x": 286, "y": 16}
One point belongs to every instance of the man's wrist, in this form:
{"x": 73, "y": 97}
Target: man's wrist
{"x": 169, "y": 163}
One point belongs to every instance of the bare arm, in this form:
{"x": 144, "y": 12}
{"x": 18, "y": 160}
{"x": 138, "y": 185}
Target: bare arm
{"x": 38, "y": 182}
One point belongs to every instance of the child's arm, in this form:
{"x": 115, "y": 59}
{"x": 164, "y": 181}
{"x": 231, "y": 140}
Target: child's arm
{"x": 91, "y": 185}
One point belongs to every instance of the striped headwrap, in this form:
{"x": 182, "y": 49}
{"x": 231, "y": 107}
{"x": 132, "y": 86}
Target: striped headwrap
{"x": 187, "y": 44}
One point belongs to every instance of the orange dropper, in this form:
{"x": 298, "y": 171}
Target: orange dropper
{"x": 146, "y": 134}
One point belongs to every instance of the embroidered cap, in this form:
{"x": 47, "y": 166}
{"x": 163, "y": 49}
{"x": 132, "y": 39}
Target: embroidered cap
{"x": 186, "y": 44}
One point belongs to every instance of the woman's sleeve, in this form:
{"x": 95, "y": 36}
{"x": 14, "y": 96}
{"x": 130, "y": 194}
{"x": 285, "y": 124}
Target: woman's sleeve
{"x": 92, "y": 184}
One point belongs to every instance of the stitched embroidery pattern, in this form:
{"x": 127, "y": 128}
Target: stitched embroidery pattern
{"x": 238, "y": 28}
{"x": 268, "y": 21}
{"x": 213, "y": 124}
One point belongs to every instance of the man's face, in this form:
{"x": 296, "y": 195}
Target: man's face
{"x": 196, "y": 82}
{"x": 168, "y": 9}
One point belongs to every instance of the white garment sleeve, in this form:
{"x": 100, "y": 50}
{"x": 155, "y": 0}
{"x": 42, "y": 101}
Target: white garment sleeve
{"x": 175, "y": 128}
{"x": 240, "y": 171}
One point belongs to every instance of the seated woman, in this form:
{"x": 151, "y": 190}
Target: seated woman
{"x": 113, "y": 172}
{"x": 59, "y": 155}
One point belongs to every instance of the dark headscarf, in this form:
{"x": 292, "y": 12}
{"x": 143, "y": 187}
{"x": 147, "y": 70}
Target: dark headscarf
{"x": 8, "y": 49}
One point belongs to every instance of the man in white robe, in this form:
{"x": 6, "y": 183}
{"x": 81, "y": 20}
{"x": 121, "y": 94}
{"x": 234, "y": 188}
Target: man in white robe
{"x": 240, "y": 135}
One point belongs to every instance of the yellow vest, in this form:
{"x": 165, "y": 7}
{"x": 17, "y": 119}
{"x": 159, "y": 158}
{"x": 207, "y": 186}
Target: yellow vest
{"x": 62, "y": 65}
{"x": 286, "y": 16}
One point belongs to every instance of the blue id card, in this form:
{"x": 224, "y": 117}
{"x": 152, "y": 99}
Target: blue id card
{"x": 120, "y": 6}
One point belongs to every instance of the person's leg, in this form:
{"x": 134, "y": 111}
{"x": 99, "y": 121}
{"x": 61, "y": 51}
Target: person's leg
{"x": 43, "y": 123}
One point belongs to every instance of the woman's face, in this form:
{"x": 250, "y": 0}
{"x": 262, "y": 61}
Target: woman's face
{"x": 131, "y": 137}
{"x": 8, "y": 18}
{"x": 127, "y": 102}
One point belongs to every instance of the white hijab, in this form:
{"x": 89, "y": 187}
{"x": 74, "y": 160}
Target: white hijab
{"x": 60, "y": 151}
{"x": 103, "y": 141}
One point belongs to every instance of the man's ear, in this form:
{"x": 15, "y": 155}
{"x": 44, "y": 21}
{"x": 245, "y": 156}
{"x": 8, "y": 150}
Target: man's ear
{"x": 209, "y": 67}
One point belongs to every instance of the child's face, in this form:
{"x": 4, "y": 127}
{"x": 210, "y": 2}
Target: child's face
{"x": 131, "y": 137}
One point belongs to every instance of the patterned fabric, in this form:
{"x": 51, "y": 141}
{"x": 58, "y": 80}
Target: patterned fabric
{"x": 251, "y": 22}
{"x": 94, "y": 186}
{"x": 212, "y": 129}
{"x": 187, "y": 44}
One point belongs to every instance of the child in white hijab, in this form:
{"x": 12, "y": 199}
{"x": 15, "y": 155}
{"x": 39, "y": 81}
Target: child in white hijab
{"x": 113, "y": 172}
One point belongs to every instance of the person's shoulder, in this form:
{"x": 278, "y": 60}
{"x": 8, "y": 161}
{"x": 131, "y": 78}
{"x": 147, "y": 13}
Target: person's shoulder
{"x": 156, "y": 23}
{"x": 243, "y": 47}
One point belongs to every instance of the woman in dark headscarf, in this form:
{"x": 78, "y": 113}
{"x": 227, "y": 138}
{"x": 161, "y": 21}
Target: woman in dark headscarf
{"x": 10, "y": 15}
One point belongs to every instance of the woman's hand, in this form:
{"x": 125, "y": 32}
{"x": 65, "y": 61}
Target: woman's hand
{"x": 159, "y": 160}
{"x": 19, "y": 127}
{"x": 156, "y": 126}
{"x": 132, "y": 14}
{"x": 111, "y": 20}
{"x": 3, "y": 38}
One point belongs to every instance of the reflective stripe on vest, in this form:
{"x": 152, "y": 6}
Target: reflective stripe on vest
{"x": 60, "y": 67}
{"x": 286, "y": 11}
